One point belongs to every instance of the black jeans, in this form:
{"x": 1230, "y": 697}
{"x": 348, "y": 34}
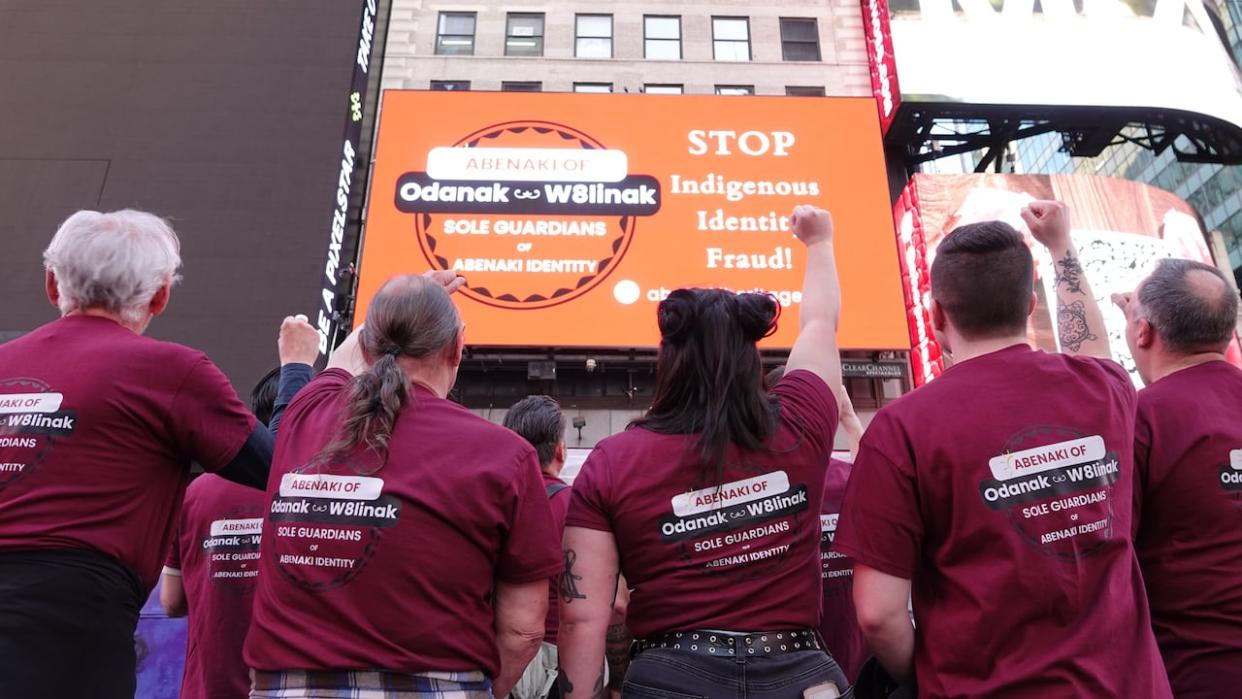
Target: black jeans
{"x": 664, "y": 673}
{"x": 67, "y": 620}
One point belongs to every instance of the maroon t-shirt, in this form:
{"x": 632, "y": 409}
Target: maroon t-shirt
{"x": 1003, "y": 490}
{"x": 98, "y": 426}
{"x": 394, "y": 568}
{"x": 1188, "y": 452}
{"x": 738, "y": 554}
{"x": 560, "y": 508}
{"x": 216, "y": 552}
{"x": 839, "y": 624}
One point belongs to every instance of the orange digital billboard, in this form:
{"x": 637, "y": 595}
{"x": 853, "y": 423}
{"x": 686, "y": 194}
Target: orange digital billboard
{"x": 572, "y": 215}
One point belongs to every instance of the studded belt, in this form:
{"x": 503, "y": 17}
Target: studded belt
{"x": 727, "y": 645}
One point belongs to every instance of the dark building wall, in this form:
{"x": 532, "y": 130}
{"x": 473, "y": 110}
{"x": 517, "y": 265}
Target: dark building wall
{"x": 224, "y": 116}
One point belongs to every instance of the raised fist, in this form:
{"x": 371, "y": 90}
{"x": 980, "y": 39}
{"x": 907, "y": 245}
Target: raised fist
{"x": 298, "y": 342}
{"x": 811, "y": 224}
{"x": 1049, "y": 223}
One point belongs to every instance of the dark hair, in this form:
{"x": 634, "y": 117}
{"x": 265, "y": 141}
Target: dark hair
{"x": 1185, "y": 310}
{"x": 983, "y": 275}
{"x": 773, "y": 377}
{"x": 538, "y": 420}
{"x": 709, "y": 379}
{"x": 263, "y": 396}
{"x": 408, "y": 317}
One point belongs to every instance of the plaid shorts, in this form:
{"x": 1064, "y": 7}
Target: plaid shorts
{"x": 369, "y": 684}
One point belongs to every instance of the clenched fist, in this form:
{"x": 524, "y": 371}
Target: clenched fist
{"x": 1049, "y": 223}
{"x": 811, "y": 224}
{"x": 298, "y": 342}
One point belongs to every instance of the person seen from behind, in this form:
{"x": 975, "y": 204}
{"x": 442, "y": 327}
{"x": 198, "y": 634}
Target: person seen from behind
{"x": 709, "y": 504}
{"x": 212, "y": 564}
{"x": 408, "y": 543}
{"x": 98, "y": 427}
{"x": 999, "y": 494}
{"x": 1188, "y": 458}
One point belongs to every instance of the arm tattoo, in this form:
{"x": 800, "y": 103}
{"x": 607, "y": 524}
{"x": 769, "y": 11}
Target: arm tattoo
{"x": 597, "y": 692}
{"x": 1072, "y": 325}
{"x": 617, "y": 652}
{"x": 1069, "y": 272}
{"x": 569, "y": 581}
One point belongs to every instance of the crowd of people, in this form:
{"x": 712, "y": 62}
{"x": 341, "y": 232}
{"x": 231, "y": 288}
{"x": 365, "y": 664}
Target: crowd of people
{"x": 1025, "y": 525}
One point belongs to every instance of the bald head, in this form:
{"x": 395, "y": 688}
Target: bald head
{"x": 1190, "y": 306}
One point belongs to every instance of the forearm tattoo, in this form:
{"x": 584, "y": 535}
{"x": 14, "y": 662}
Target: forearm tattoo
{"x": 1072, "y": 325}
{"x": 569, "y": 581}
{"x": 617, "y": 652}
{"x": 597, "y": 692}
{"x": 1069, "y": 272}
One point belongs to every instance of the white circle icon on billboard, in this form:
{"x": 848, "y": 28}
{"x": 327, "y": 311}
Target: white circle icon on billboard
{"x": 626, "y": 292}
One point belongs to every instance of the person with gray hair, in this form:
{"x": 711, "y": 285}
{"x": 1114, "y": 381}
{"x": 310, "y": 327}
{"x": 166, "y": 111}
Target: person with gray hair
{"x": 1180, "y": 323}
{"x": 98, "y": 428}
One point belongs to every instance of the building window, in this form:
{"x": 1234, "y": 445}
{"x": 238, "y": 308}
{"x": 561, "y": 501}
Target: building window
{"x": 455, "y": 34}
{"x": 735, "y": 89}
{"x": 731, "y": 38}
{"x": 662, "y": 37}
{"x": 521, "y": 86}
{"x": 592, "y": 87}
{"x": 663, "y": 89}
{"x": 804, "y": 91}
{"x": 524, "y": 34}
{"x": 453, "y": 85}
{"x": 593, "y": 36}
{"x": 799, "y": 39}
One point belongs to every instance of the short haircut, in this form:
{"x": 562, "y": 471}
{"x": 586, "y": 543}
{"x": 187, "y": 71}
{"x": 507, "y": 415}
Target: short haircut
{"x": 1190, "y": 312}
{"x": 263, "y": 396}
{"x": 113, "y": 261}
{"x": 982, "y": 276}
{"x": 538, "y": 419}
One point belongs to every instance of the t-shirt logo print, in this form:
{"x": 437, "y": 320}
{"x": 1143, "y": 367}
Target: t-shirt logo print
{"x": 1056, "y": 485}
{"x": 1231, "y": 476}
{"x": 742, "y": 528}
{"x": 329, "y": 526}
{"x": 32, "y": 417}
{"x": 232, "y": 549}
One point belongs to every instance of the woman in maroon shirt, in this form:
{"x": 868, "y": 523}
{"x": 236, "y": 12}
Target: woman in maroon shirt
{"x": 709, "y": 504}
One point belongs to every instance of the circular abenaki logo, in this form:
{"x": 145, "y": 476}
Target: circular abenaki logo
{"x": 32, "y": 418}
{"x": 1056, "y": 485}
{"x": 533, "y": 213}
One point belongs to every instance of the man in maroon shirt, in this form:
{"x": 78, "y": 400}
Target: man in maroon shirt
{"x": 212, "y": 564}
{"x": 98, "y": 426}
{"x": 1188, "y": 458}
{"x": 538, "y": 420}
{"x": 1000, "y": 493}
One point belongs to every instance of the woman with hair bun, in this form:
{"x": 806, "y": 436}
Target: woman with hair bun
{"x": 407, "y": 543}
{"x": 709, "y": 504}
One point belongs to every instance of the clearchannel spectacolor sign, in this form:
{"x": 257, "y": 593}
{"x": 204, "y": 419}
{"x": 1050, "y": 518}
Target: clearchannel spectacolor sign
{"x": 571, "y": 216}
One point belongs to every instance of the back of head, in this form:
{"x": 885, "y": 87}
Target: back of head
{"x": 114, "y": 262}
{"x": 709, "y": 377}
{"x": 983, "y": 276}
{"x": 408, "y": 317}
{"x": 538, "y": 420}
{"x": 1190, "y": 306}
{"x": 263, "y": 396}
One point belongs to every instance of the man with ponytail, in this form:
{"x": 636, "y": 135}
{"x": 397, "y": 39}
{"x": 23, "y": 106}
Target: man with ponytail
{"x": 709, "y": 504}
{"x": 408, "y": 543}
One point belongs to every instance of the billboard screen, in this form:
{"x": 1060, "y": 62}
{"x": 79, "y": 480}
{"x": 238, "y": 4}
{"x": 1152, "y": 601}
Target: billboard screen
{"x": 1119, "y": 227}
{"x": 572, "y": 215}
{"x": 1159, "y": 54}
